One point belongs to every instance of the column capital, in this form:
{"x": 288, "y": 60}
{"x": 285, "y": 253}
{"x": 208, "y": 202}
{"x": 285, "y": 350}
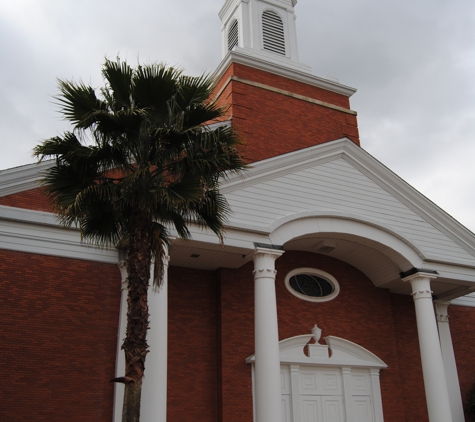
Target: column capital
{"x": 264, "y": 257}
{"x": 420, "y": 282}
{"x": 262, "y": 248}
{"x": 418, "y": 273}
{"x": 441, "y": 308}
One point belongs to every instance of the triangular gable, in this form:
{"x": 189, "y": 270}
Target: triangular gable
{"x": 340, "y": 179}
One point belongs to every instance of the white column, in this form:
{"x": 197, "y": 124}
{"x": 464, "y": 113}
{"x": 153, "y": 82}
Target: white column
{"x": 448, "y": 356}
{"x": 267, "y": 366}
{"x": 438, "y": 404}
{"x": 120, "y": 357}
{"x": 153, "y": 407}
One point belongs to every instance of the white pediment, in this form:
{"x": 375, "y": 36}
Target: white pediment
{"x": 339, "y": 180}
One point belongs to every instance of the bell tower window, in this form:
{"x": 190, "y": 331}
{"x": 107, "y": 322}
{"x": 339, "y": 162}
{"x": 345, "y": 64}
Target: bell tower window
{"x": 233, "y": 35}
{"x": 273, "y": 32}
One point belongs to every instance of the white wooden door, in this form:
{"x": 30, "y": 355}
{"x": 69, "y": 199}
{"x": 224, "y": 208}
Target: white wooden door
{"x": 317, "y": 394}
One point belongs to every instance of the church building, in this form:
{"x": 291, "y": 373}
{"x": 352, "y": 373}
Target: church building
{"x": 328, "y": 301}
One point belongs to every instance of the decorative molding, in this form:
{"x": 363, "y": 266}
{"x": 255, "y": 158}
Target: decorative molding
{"x": 264, "y": 262}
{"x": 261, "y": 271}
{"x": 283, "y": 67}
{"x": 420, "y": 294}
{"x": 441, "y": 310}
{"x": 419, "y": 276}
{"x": 344, "y": 353}
{"x": 417, "y": 271}
{"x": 285, "y": 93}
{"x": 420, "y": 283}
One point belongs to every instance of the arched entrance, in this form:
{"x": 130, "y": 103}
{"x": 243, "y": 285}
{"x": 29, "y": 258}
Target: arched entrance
{"x": 333, "y": 382}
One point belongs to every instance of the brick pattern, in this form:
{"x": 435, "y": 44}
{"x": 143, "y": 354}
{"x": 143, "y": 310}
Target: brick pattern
{"x": 59, "y": 338}
{"x": 33, "y": 199}
{"x": 192, "y": 363}
{"x": 408, "y": 351}
{"x": 463, "y": 339}
{"x": 272, "y": 124}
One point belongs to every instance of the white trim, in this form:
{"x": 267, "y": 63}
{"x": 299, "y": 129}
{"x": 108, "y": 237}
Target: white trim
{"x": 467, "y": 300}
{"x": 233, "y": 78}
{"x": 344, "y": 353}
{"x": 19, "y": 179}
{"x": 281, "y": 66}
{"x": 39, "y": 233}
{"x": 317, "y": 272}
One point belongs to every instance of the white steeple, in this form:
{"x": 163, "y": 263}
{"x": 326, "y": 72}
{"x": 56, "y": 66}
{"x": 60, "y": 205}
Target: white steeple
{"x": 262, "y": 29}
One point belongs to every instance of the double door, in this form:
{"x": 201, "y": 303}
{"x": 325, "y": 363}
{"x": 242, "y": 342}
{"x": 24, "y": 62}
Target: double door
{"x": 318, "y": 394}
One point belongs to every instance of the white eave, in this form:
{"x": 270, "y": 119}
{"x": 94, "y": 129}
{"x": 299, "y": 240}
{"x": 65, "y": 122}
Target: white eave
{"x": 19, "y": 179}
{"x": 281, "y": 67}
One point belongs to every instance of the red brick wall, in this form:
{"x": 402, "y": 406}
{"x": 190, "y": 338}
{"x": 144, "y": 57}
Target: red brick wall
{"x": 409, "y": 355}
{"x": 59, "y": 321}
{"x": 463, "y": 338}
{"x": 237, "y": 343}
{"x": 272, "y": 124}
{"x": 33, "y": 199}
{"x": 192, "y": 352}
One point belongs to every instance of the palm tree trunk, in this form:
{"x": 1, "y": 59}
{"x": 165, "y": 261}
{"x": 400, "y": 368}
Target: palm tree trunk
{"x": 135, "y": 344}
{"x": 131, "y": 408}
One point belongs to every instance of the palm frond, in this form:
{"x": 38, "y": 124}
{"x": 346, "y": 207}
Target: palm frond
{"x": 78, "y": 103}
{"x": 154, "y": 86}
{"x": 118, "y": 91}
{"x": 145, "y": 145}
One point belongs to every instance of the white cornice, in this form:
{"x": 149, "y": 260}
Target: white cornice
{"x": 281, "y": 67}
{"x": 19, "y": 179}
{"x": 28, "y": 216}
{"x": 230, "y": 5}
{"x": 40, "y": 233}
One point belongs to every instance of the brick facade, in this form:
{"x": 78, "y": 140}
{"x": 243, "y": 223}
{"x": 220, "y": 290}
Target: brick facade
{"x": 60, "y": 325}
{"x": 33, "y": 199}
{"x": 59, "y": 338}
{"x": 272, "y": 123}
{"x": 463, "y": 339}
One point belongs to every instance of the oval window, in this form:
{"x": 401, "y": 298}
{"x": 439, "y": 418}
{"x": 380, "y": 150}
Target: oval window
{"x": 312, "y": 285}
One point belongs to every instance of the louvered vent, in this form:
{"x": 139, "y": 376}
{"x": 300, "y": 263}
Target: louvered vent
{"x": 233, "y": 35}
{"x": 273, "y": 32}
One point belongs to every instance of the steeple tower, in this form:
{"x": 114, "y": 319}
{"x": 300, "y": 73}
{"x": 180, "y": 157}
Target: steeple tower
{"x": 263, "y": 29}
{"x": 272, "y": 99}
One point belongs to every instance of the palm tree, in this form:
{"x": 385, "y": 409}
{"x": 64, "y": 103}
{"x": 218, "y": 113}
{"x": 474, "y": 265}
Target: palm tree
{"x": 141, "y": 159}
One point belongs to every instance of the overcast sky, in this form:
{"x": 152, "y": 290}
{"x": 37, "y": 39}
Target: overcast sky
{"x": 413, "y": 63}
